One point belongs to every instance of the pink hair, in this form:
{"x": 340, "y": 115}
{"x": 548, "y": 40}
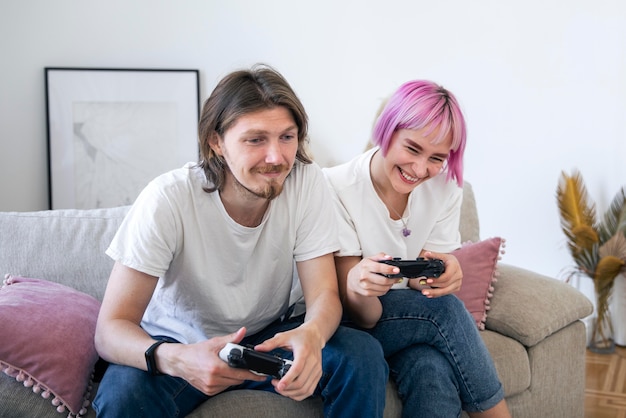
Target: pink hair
{"x": 419, "y": 104}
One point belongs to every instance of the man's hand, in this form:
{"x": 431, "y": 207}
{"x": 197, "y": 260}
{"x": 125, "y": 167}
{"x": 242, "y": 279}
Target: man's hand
{"x": 200, "y": 364}
{"x": 302, "y": 378}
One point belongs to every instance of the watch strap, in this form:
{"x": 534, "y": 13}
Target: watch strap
{"x": 150, "y": 360}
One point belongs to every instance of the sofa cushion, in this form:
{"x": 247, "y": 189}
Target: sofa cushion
{"x": 479, "y": 262}
{"x": 529, "y": 307}
{"x": 266, "y": 405}
{"x": 239, "y": 403}
{"x": 64, "y": 246}
{"x": 47, "y": 333}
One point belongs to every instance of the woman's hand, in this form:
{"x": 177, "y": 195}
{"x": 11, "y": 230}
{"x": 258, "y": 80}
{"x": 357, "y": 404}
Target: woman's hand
{"x": 360, "y": 284}
{"x": 449, "y": 282}
{"x": 366, "y": 278}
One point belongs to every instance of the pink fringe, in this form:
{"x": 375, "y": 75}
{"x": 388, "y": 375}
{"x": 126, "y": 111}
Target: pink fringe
{"x": 494, "y": 279}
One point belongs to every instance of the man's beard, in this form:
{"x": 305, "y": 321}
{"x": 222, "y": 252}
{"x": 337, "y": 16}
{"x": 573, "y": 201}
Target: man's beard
{"x": 269, "y": 191}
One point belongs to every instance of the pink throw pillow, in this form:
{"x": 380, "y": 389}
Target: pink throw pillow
{"x": 47, "y": 333}
{"x": 479, "y": 262}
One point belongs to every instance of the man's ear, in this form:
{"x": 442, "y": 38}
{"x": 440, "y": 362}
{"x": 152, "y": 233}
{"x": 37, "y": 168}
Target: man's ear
{"x": 215, "y": 143}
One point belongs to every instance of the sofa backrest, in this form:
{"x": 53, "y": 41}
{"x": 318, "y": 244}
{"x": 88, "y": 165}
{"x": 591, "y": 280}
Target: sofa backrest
{"x": 469, "y": 227}
{"x": 67, "y": 246}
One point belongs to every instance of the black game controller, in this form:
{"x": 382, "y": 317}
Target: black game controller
{"x": 420, "y": 267}
{"x": 243, "y": 357}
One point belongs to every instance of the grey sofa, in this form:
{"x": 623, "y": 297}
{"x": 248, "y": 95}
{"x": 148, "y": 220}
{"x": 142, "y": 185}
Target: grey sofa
{"x": 533, "y": 330}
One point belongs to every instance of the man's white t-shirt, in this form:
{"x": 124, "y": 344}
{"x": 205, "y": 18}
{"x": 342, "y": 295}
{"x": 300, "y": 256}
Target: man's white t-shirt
{"x": 216, "y": 275}
{"x": 366, "y": 228}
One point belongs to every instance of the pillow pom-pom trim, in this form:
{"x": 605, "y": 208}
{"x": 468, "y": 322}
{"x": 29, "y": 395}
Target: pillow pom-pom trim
{"x": 494, "y": 279}
{"x": 8, "y": 279}
{"x": 29, "y": 381}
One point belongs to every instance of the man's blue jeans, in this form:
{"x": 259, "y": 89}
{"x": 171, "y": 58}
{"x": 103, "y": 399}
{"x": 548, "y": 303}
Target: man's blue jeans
{"x": 352, "y": 385}
{"x": 436, "y": 355}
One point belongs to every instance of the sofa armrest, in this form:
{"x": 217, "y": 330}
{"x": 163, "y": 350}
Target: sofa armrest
{"x": 528, "y": 306}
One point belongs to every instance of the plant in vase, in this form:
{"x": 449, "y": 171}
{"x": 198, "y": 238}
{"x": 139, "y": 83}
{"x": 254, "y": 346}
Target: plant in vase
{"x": 598, "y": 247}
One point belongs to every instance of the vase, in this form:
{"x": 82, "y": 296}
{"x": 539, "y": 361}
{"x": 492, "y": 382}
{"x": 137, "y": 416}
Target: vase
{"x": 602, "y": 333}
{"x": 617, "y": 309}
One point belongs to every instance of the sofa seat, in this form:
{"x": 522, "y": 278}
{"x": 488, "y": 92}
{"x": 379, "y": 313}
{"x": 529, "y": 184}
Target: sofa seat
{"x": 510, "y": 358}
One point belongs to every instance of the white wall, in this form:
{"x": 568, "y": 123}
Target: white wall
{"x": 542, "y": 83}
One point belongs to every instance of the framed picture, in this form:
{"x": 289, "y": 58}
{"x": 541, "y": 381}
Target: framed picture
{"x": 111, "y": 131}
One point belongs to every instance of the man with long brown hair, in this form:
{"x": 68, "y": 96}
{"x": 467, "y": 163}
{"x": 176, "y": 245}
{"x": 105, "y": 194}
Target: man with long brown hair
{"x": 206, "y": 257}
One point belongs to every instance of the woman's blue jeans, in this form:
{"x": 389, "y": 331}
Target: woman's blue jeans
{"x": 436, "y": 355}
{"x": 352, "y": 385}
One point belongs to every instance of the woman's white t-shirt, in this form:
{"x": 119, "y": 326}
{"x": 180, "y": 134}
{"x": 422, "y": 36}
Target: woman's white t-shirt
{"x": 366, "y": 228}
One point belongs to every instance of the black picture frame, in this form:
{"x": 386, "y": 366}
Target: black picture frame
{"x": 112, "y": 130}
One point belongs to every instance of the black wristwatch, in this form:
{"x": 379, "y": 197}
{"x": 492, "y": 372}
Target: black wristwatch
{"x": 150, "y": 361}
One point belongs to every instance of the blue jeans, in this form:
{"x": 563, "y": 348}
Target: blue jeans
{"x": 436, "y": 355}
{"x": 352, "y": 385}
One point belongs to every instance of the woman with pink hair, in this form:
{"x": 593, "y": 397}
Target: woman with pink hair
{"x": 402, "y": 198}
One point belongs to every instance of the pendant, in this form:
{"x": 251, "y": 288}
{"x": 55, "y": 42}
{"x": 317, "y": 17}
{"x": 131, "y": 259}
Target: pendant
{"x": 406, "y": 231}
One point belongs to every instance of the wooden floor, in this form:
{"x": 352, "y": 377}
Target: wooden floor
{"x": 605, "y": 394}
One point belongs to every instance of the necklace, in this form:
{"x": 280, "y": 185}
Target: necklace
{"x": 405, "y": 231}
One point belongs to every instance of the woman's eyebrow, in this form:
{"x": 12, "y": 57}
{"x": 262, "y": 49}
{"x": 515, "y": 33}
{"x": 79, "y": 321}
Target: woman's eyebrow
{"x": 420, "y": 148}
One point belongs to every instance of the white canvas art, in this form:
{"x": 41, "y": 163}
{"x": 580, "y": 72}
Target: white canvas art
{"x": 119, "y": 148}
{"x": 111, "y": 131}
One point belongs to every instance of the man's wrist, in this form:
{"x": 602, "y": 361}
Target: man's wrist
{"x": 151, "y": 360}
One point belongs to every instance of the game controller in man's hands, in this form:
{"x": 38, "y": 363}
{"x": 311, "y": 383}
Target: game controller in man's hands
{"x": 243, "y": 357}
{"x": 420, "y": 267}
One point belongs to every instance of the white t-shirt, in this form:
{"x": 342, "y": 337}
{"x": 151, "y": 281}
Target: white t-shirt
{"x": 366, "y": 228}
{"x": 216, "y": 275}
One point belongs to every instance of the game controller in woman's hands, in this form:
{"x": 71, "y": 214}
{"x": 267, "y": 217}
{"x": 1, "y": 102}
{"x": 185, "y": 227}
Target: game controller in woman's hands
{"x": 420, "y": 267}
